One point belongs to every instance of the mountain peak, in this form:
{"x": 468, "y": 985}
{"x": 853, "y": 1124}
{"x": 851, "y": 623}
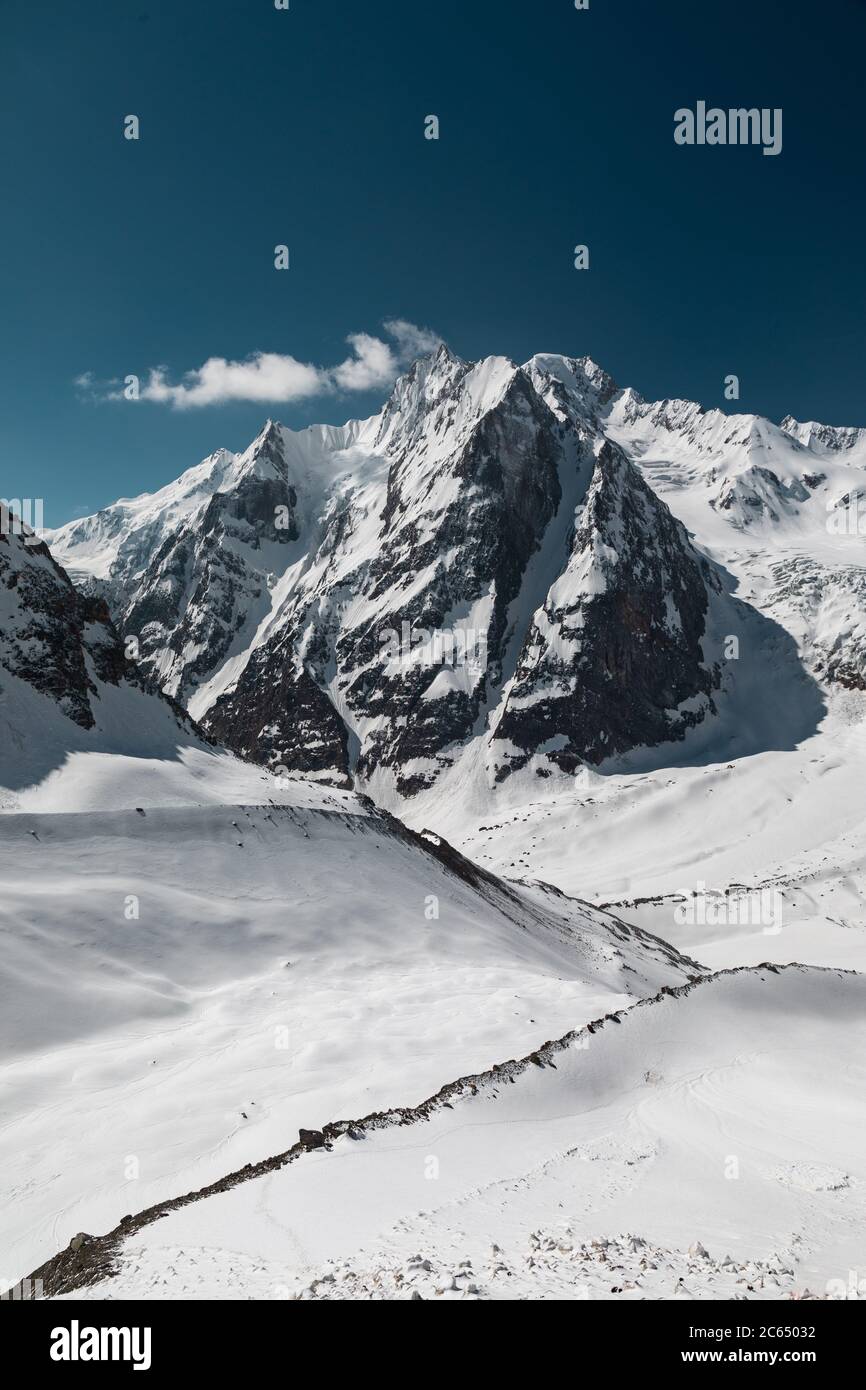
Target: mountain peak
{"x": 266, "y": 456}
{"x": 573, "y": 387}
{"x": 824, "y": 439}
{"x": 444, "y": 354}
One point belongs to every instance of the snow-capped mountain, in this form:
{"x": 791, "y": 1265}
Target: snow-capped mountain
{"x": 509, "y": 570}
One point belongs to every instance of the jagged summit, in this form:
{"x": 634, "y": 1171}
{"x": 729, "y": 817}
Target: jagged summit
{"x": 572, "y": 386}
{"x": 831, "y": 439}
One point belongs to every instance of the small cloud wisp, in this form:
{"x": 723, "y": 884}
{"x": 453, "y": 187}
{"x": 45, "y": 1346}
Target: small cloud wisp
{"x": 270, "y": 377}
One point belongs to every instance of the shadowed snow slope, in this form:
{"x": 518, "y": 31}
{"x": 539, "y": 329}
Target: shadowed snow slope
{"x": 730, "y": 1111}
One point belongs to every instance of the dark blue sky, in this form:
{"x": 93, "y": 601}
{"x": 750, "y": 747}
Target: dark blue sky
{"x": 260, "y": 127}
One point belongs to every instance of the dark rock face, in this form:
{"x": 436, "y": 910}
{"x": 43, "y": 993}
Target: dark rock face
{"x": 60, "y": 641}
{"x": 617, "y": 648}
{"x": 277, "y": 715}
{"x": 50, "y": 630}
{"x": 505, "y": 491}
{"x": 467, "y": 522}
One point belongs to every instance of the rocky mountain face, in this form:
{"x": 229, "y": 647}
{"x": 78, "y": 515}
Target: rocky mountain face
{"x": 52, "y": 637}
{"x": 204, "y": 582}
{"x": 62, "y": 643}
{"x": 494, "y": 568}
{"x": 435, "y": 555}
{"x": 613, "y": 658}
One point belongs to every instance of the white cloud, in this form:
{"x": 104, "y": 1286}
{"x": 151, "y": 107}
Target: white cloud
{"x": 270, "y": 377}
{"x": 374, "y": 364}
{"x": 411, "y": 340}
{"x": 266, "y": 376}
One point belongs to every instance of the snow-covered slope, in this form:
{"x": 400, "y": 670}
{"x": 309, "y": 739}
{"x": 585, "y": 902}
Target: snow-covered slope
{"x": 707, "y": 1143}
{"x": 196, "y": 957}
